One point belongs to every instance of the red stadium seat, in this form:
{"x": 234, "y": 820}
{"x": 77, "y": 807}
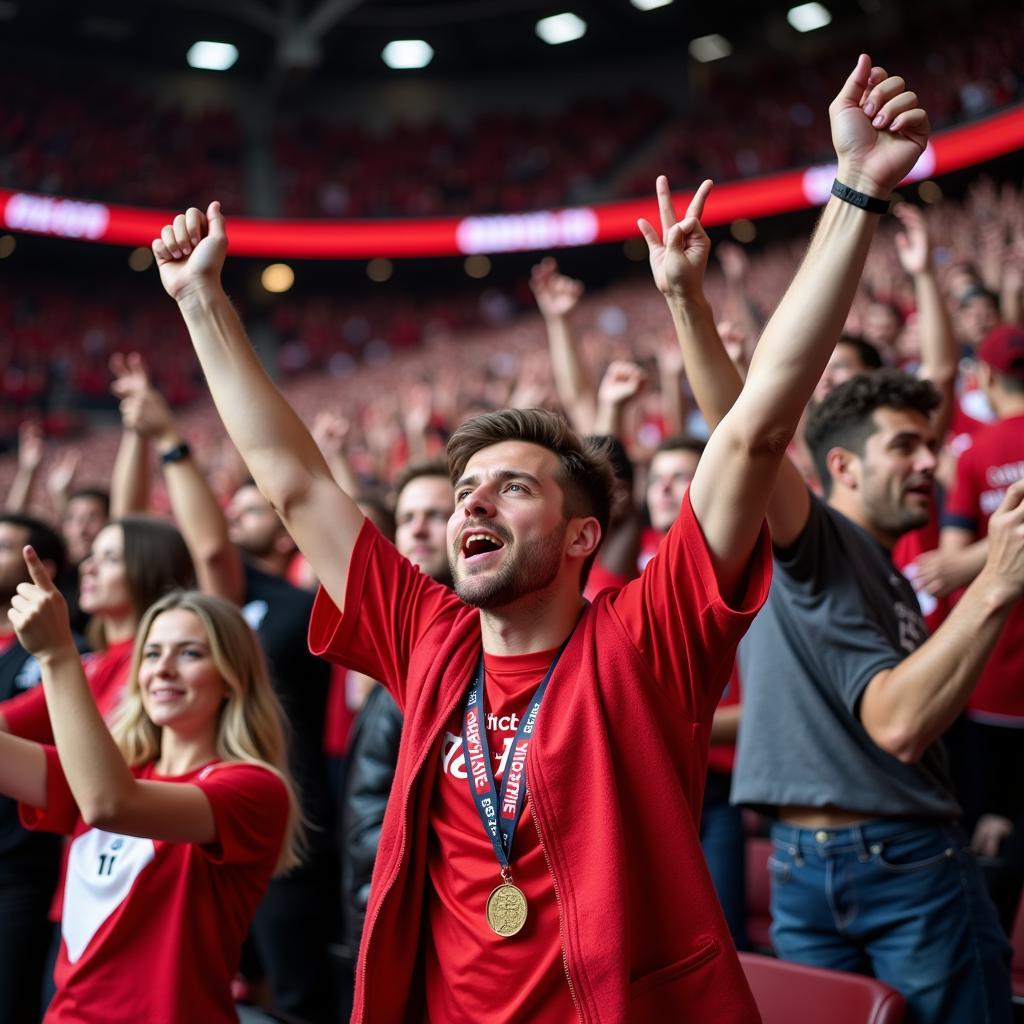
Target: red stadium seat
{"x": 788, "y": 993}
{"x": 759, "y": 917}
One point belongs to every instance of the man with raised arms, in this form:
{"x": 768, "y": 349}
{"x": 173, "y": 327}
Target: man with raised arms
{"x": 846, "y": 697}
{"x": 589, "y": 900}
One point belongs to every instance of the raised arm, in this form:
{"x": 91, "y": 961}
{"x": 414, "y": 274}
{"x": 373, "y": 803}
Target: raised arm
{"x": 939, "y": 351}
{"x": 330, "y": 431}
{"x": 907, "y": 708}
{"x": 557, "y": 296}
{"x": 278, "y": 450}
{"x": 735, "y": 268}
{"x": 106, "y": 793}
{"x": 714, "y": 379}
{"x": 30, "y": 455}
{"x": 193, "y": 503}
{"x": 878, "y": 133}
{"x": 622, "y": 382}
{"x": 60, "y": 478}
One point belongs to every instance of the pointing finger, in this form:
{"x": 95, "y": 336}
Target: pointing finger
{"x": 36, "y": 569}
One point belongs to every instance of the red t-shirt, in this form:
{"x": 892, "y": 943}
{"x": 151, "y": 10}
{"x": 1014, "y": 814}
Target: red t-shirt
{"x": 338, "y": 716}
{"x": 983, "y": 473}
{"x": 467, "y": 963}
{"x": 7, "y": 641}
{"x": 971, "y": 413}
{"x": 601, "y": 578}
{"x": 722, "y": 756}
{"x": 672, "y": 620}
{"x": 905, "y": 553}
{"x": 152, "y": 931}
{"x": 106, "y": 674}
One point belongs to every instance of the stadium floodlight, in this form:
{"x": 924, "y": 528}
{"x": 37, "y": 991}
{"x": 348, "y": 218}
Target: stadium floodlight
{"x": 808, "y": 17}
{"x": 649, "y": 5}
{"x": 561, "y": 28}
{"x": 404, "y": 54}
{"x": 209, "y": 56}
{"x": 708, "y": 48}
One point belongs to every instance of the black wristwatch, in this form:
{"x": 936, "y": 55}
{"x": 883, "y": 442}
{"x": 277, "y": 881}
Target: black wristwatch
{"x": 176, "y": 454}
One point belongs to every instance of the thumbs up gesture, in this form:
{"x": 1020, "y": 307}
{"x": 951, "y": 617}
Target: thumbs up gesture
{"x": 39, "y": 613}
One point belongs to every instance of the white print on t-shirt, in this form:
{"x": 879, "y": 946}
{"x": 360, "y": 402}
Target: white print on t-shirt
{"x": 102, "y": 867}
{"x": 29, "y": 674}
{"x": 998, "y": 479}
{"x": 453, "y": 761}
{"x": 254, "y": 613}
{"x": 913, "y": 631}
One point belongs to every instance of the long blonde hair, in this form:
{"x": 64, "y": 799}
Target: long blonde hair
{"x": 251, "y": 728}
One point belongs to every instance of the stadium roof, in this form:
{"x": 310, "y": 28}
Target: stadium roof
{"x": 308, "y": 41}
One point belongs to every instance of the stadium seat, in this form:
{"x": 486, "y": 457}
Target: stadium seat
{"x": 759, "y": 917}
{"x": 788, "y": 993}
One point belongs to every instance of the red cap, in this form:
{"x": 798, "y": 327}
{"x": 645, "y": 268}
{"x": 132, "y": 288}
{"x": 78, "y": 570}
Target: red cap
{"x": 1003, "y": 350}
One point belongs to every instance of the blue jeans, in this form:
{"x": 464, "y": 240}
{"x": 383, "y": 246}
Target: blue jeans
{"x": 902, "y": 901}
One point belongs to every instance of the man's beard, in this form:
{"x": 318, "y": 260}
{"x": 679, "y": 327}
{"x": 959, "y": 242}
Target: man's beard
{"x": 895, "y": 517}
{"x": 530, "y": 570}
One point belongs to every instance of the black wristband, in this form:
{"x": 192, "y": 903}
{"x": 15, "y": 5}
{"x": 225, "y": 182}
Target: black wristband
{"x": 176, "y": 454}
{"x": 860, "y": 199}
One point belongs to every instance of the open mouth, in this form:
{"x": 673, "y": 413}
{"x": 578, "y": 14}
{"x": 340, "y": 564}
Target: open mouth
{"x": 922, "y": 490}
{"x": 478, "y": 544}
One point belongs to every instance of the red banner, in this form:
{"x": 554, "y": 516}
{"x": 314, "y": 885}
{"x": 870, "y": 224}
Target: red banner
{"x": 948, "y": 151}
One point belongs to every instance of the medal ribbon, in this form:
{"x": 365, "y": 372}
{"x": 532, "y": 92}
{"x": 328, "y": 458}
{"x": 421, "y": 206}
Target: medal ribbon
{"x": 499, "y": 813}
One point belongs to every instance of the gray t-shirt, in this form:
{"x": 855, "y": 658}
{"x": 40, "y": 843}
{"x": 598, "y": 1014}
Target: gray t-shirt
{"x": 838, "y": 614}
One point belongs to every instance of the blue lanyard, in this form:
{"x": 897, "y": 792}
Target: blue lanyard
{"x": 500, "y": 814}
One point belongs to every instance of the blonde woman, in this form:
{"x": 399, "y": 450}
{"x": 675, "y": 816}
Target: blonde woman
{"x": 179, "y": 815}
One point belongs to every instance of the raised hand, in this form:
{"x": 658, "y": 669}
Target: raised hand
{"x": 679, "y": 256}
{"x": 62, "y": 475}
{"x": 622, "y": 382}
{"x": 143, "y": 409}
{"x": 557, "y": 295}
{"x": 39, "y": 613}
{"x": 878, "y": 129}
{"x": 913, "y": 246}
{"x": 418, "y": 410}
{"x": 30, "y": 446}
{"x": 734, "y": 262}
{"x": 1005, "y": 564}
{"x": 330, "y": 431}
{"x": 190, "y": 251}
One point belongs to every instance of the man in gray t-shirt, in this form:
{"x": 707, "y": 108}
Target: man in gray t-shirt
{"x": 846, "y": 698}
{"x": 839, "y": 613}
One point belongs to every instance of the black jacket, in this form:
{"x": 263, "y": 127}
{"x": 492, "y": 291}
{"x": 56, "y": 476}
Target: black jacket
{"x": 373, "y": 752}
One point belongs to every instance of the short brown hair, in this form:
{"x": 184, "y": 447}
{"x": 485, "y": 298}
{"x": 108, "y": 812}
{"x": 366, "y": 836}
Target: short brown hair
{"x": 585, "y": 471}
{"x": 415, "y": 470}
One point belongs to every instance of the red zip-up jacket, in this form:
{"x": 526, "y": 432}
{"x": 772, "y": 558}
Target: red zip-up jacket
{"x": 615, "y": 775}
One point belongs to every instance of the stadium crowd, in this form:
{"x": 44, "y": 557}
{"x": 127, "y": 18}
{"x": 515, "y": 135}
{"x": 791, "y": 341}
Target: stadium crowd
{"x": 592, "y": 148}
{"x": 866, "y": 399}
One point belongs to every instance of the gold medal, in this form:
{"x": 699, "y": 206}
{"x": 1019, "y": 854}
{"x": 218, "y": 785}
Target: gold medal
{"x": 506, "y": 910}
